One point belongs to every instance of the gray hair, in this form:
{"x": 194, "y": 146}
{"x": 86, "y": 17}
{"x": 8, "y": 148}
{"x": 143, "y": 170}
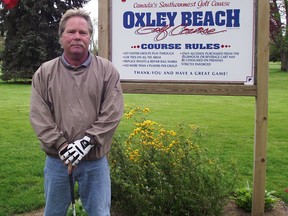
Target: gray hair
{"x": 75, "y": 13}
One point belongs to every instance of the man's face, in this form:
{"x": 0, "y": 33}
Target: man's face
{"x": 75, "y": 38}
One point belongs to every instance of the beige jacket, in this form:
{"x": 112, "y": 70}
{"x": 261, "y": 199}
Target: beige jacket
{"x": 67, "y": 104}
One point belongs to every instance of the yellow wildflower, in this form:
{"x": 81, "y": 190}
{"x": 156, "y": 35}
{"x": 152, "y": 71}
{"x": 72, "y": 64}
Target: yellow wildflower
{"x": 146, "y": 110}
{"x": 172, "y": 133}
{"x": 134, "y": 155}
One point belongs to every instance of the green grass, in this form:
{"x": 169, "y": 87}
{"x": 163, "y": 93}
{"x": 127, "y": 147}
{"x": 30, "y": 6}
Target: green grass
{"x": 227, "y": 122}
{"x": 21, "y": 168}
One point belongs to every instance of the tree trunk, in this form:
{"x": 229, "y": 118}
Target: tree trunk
{"x": 284, "y": 60}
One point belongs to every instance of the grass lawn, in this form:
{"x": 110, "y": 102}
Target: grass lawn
{"x": 227, "y": 122}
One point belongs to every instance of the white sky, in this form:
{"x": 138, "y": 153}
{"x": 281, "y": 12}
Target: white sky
{"x": 92, "y": 7}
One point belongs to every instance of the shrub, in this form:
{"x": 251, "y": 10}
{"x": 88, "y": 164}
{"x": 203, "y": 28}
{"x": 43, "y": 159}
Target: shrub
{"x": 159, "y": 171}
{"x": 80, "y": 211}
{"x": 243, "y": 198}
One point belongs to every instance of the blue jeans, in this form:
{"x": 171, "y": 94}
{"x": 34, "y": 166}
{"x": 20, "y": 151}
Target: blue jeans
{"x": 94, "y": 186}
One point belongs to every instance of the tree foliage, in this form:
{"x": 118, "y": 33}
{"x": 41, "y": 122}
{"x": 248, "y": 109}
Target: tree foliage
{"x": 275, "y": 21}
{"x": 279, "y": 32}
{"x": 31, "y": 35}
{"x": 276, "y": 36}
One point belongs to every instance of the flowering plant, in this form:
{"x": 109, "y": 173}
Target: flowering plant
{"x": 160, "y": 171}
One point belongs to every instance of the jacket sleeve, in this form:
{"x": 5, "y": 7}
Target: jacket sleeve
{"x": 111, "y": 109}
{"x": 41, "y": 117}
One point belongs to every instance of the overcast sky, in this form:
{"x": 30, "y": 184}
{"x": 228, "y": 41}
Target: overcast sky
{"x": 92, "y": 7}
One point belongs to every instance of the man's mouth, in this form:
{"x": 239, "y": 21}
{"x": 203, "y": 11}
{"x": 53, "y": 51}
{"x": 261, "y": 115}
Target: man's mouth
{"x": 77, "y": 45}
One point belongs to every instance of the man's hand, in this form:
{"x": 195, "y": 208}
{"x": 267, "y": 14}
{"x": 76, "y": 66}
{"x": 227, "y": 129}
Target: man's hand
{"x": 74, "y": 152}
{"x": 63, "y": 150}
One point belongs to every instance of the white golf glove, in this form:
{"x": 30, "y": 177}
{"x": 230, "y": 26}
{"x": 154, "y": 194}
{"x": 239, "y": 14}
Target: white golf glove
{"x": 74, "y": 152}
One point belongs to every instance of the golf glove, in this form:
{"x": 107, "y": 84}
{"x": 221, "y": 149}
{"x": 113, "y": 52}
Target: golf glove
{"x": 74, "y": 152}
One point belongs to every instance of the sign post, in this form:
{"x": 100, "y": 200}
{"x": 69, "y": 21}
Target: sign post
{"x": 260, "y": 141}
{"x": 198, "y": 47}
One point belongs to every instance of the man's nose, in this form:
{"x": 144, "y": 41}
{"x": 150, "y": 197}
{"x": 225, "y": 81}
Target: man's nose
{"x": 77, "y": 35}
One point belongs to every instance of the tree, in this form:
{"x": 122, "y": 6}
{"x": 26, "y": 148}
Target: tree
{"x": 31, "y": 35}
{"x": 279, "y": 32}
{"x": 275, "y": 32}
{"x": 94, "y": 41}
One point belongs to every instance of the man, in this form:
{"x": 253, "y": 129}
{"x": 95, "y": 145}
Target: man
{"x": 76, "y": 106}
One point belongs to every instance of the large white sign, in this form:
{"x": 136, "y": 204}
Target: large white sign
{"x": 184, "y": 41}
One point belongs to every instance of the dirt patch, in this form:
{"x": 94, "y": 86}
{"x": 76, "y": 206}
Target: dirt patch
{"x": 280, "y": 209}
{"x": 39, "y": 212}
{"x": 231, "y": 209}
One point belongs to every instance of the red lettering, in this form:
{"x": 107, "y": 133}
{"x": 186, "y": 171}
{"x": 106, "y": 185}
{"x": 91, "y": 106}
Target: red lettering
{"x": 165, "y": 31}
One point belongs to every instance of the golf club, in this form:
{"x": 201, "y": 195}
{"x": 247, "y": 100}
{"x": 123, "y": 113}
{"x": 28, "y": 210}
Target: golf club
{"x": 72, "y": 188}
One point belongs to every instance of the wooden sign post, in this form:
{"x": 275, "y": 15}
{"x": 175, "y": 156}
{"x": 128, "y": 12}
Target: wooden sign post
{"x": 259, "y": 88}
{"x": 260, "y": 141}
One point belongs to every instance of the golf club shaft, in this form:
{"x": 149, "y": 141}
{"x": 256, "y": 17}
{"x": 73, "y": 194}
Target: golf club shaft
{"x": 71, "y": 188}
{"x": 74, "y": 209}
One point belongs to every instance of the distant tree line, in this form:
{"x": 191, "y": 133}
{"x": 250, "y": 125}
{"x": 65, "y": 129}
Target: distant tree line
{"x": 30, "y": 32}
